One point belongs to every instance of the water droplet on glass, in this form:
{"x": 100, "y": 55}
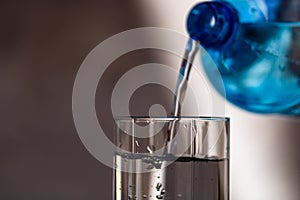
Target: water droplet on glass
{"x": 151, "y": 149}
{"x": 137, "y": 143}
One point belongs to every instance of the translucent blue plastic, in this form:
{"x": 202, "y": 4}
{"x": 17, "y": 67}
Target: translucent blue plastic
{"x": 256, "y": 48}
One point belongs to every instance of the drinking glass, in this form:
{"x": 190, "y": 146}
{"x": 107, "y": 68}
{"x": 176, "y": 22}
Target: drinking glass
{"x": 171, "y": 158}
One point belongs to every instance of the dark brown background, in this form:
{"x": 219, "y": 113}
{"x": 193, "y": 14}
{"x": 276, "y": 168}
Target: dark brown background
{"x": 42, "y": 45}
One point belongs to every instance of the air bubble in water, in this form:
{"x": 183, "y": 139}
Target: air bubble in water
{"x": 146, "y": 159}
{"x": 179, "y": 195}
{"x": 157, "y": 164}
{"x": 158, "y": 186}
{"x": 145, "y": 196}
{"x": 159, "y": 196}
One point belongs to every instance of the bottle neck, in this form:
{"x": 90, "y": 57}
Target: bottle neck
{"x": 213, "y": 24}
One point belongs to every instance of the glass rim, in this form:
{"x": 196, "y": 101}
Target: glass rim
{"x": 171, "y": 118}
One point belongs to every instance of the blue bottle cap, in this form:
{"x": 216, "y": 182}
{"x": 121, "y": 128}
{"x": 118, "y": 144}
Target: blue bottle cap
{"x": 214, "y": 24}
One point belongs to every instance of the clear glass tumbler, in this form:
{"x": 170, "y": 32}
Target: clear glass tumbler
{"x": 183, "y": 158}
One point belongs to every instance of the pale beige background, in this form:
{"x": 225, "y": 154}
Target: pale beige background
{"x": 265, "y": 150}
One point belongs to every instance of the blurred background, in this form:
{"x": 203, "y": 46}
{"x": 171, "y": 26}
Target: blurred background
{"x": 42, "y": 45}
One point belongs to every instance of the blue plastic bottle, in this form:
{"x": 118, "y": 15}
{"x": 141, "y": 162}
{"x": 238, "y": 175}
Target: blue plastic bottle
{"x": 256, "y": 46}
